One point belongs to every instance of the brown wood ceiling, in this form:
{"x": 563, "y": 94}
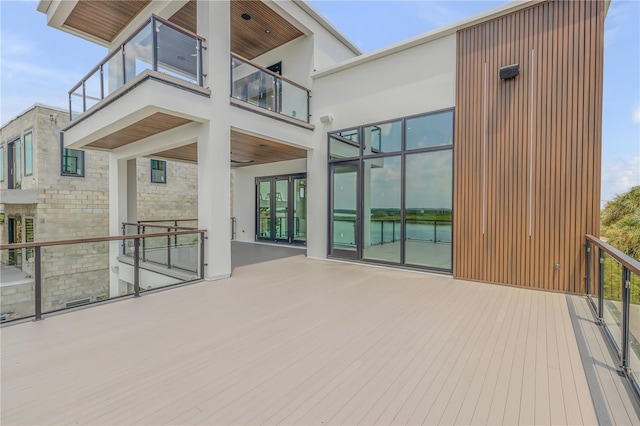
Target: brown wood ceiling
{"x": 249, "y": 38}
{"x": 149, "y": 126}
{"x": 103, "y": 18}
{"x": 243, "y": 147}
{"x": 186, "y": 17}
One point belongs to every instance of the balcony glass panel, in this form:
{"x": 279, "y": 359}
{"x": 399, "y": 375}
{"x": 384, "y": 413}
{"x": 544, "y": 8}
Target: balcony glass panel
{"x": 92, "y": 90}
{"x": 75, "y": 275}
{"x": 634, "y": 328}
{"x": 612, "y": 295}
{"x": 113, "y": 75}
{"x": 138, "y": 53}
{"x": 177, "y": 53}
{"x": 260, "y": 88}
{"x": 17, "y": 297}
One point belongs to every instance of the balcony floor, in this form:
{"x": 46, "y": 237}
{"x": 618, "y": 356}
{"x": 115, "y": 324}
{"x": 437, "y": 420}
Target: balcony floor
{"x": 300, "y": 341}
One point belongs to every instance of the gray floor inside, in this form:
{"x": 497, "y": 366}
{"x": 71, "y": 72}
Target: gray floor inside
{"x": 246, "y": 253}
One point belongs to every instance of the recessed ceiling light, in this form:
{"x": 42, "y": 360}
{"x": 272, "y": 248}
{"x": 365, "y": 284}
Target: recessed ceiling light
{"x": 246, "y": 16}
{"x": 267, "y": 31}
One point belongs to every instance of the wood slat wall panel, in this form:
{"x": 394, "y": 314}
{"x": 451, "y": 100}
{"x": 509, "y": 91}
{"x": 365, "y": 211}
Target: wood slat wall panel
{"x": 527, "y": 194}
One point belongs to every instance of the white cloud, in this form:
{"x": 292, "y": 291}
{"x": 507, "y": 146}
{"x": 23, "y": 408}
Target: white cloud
{"x": 619, "y": 175}
{"x": 636, "y": 114}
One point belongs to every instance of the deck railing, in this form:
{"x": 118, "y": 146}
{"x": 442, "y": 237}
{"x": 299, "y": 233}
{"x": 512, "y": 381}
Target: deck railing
{"x": 172, "y": 251}
{"x": 61, "y": 275}
{"x": 169, "y": 49}
{"x": 263, "y": 88}
{"x": 613, "y": 287}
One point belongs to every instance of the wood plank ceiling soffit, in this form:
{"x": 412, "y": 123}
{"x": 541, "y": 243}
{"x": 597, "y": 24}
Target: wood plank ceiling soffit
{"x": 104, "y": 19}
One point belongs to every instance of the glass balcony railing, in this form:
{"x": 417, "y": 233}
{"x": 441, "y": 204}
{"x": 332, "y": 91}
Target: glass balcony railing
{"x": 613, "y": 287}
{"x": 265, "y": 89}
{"x": 169, "y": 49}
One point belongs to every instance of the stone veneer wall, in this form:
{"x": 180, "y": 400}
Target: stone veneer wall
{"x": 78, "y": 207}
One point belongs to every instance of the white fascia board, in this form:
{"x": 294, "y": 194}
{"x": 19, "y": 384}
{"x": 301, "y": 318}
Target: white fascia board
{"x": 429, "y": 36}
{"x": 313, "y": 13}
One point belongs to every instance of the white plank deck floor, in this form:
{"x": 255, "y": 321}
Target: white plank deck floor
{"x": 300, "y": 341}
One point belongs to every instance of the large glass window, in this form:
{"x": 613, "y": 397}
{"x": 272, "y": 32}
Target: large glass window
{"x": 345, "y": 144}
{"x": 429, "y": 131}
{"x": 15, "y": 165}
{"x": 383, "y": 138}
{"x": 72, "y": 162}
{"x": 158, "y": 171}
{"x": 381, "y": 209}
{"x": 2, "y": 163}
{"x": 392, "y": 191}
{"x": 28, "y": 153}
{"x": 428, "y": 195}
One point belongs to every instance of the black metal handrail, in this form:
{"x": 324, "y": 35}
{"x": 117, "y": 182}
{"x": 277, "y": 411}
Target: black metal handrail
{"x": 152, "y": 21}
{"x": 597, "y": 295}
{"x": 37, "y": 270}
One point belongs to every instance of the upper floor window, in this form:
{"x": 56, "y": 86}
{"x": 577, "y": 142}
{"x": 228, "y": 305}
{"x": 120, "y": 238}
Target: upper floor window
{"x": 14, "y": 164}
{"x": 158, "y": 171}
{"x": 28, "y": 153}
{"x": 2, "y": 163}
{"x": 72, "y": 162}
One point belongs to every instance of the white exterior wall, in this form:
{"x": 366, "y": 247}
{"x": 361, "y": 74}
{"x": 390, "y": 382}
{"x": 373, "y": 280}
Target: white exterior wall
{"x": 244, "y": 188}
{"x": 413, "y": 81}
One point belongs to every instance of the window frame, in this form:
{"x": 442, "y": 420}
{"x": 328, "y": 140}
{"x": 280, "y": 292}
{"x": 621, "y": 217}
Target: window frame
{"x": 62, "y": 157}
{"x": 24, "y": 155}
{"x": 164, "y": 170}
{"x": 2, "y": 156}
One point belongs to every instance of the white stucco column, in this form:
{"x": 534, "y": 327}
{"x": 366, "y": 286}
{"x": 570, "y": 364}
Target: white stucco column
{"x": 214, "y": 141}
{"x": 118, "y": 195}
{"x": 132, "y": 191}
{"x": 317, "y": 198}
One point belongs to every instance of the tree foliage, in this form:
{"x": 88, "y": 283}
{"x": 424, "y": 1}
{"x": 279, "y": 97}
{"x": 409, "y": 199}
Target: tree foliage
{"x": 620, "y": 220}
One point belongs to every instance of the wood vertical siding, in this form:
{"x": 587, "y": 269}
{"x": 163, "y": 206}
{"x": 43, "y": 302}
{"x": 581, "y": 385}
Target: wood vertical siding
{"x": 527, "y": 150}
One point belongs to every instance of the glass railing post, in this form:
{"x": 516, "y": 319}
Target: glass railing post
{"x": 587, "y": 262}
{"x": 84, "y": 96}
{"x": 202, "y": 238}
{"x": 136, "y": 267}
{"x": 38, "y": 283}
{"x": 308, "y": 107}
{"x": 124, "y": 242}
{"x": 626, "y": 304}
{"x": 600, "y": 285}
{"x": 144, "y": 243}
{"x": 124, "y": 65}
{"x": 70, "y": 108}
{"x": 199, "y": 64}
{"x": 169, "y": 249}
{"x": 154, "y": 44}
{"x": 101, "y": 81}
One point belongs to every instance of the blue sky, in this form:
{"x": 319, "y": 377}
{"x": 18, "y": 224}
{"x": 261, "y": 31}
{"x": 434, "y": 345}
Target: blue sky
{"x": 40, "y": 64}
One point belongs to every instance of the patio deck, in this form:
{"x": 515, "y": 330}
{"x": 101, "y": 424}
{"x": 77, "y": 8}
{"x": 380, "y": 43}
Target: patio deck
{"x": 300, "y": 341}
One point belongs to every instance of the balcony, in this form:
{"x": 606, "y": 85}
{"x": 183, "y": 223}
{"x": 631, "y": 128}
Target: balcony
{"x": 170, "y": 50}
{"x": 264, "y": 91}
{"x": 325, "y": 343}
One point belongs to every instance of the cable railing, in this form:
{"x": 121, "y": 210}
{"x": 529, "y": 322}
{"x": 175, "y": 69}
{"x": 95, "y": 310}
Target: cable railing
{"x": 157, "y": 45}
{"x": 59, "y": 275}
{"x": 263, "y": 88}
{"x": 613, "y": 288}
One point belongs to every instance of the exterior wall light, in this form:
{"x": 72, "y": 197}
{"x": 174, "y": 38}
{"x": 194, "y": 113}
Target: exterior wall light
{"x": 509, "y": 71}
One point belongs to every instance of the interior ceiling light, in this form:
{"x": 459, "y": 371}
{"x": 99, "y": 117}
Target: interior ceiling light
{"x": 267, "y": 31}
{"x": 246, "y": 16}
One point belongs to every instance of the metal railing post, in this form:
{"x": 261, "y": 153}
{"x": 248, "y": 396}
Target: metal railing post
{"x": 136, "y": 267}
{"x": 626, "y": 304}
{"x": 202, "y": 238}
{"x": 600, "y": 284}
{"x": 101, "y": 81}
{"x": 70, "y": 108}
{"x": 144, "y": 243}
{"x": 587, "y": 260}
{"x": 169, "y": 249}
{"x": 84, "y": 96}
{"x": 199, "y": 65}
{"x": 124, "y": 242}
{"x": 154, "y": 44}
{"x": 124, "y": 66}
{"x": 38, "y": 284}
{"x": 175, "y": 237}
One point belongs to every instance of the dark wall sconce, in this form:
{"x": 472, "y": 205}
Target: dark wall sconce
{"x": 509, "y": 71}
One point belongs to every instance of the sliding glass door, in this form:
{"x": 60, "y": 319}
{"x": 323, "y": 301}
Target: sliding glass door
{"x": 281, "y": 213}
